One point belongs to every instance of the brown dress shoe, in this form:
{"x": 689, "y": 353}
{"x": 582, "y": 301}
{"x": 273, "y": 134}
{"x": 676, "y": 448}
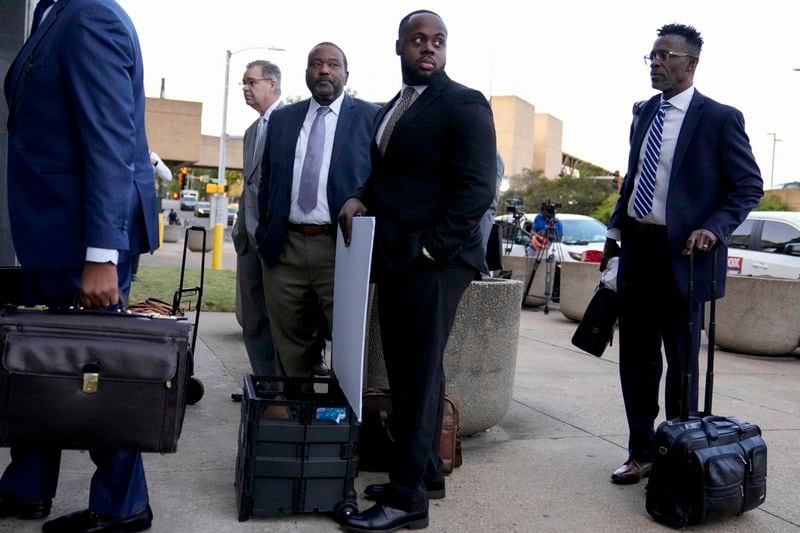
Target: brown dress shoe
{"x": 631, "y": 472}
{"x": 321, "y": 369}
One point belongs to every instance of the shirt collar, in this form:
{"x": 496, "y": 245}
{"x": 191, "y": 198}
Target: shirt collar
{"x": 271, "y": 108}
{"x": 683, "y": 99}
{"x": 335, "y": 106}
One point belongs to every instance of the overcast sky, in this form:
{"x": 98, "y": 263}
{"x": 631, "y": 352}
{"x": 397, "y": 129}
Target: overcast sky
{"x": 579, "y": 60}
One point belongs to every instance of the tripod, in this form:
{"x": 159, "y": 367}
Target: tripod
{"x": 546, "y": 253}
{"x": 514, "y": 229}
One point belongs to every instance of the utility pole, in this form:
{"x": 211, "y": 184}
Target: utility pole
{"x": 775, "y": 141}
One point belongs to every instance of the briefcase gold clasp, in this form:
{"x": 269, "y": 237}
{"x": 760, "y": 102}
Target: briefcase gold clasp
{"x": 90, "y": 382}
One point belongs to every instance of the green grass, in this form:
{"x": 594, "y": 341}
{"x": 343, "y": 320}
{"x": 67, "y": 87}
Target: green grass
{"x": 219, "y": 291}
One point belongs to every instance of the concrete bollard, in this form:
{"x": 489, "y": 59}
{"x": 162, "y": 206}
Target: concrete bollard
{"x": 578, "y": 282}
{"x": 481, "y": 355}
{"x": 173, "y": 233}
{"x": 758, "y": 316}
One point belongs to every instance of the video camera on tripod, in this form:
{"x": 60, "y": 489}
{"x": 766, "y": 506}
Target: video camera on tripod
{"x": 548, "y": 211}
{"x": 547, "y": 230}
{"x": 514, "y": 207}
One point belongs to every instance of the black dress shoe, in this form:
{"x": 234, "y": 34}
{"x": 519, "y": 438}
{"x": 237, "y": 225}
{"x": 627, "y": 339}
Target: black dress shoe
{"x": 89, "y": 522}
{"x": 383, "y": 518}
{"x": 12, "y": 506}
{"x": 374, "y": 492}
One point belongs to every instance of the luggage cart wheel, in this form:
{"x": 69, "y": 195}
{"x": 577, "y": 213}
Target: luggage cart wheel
{"x": 344, "y": 509}
{"x": 194, "y": 390}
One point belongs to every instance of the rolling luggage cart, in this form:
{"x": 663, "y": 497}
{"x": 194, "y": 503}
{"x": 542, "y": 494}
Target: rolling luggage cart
{"x": 194, "y": 387}
{"x": 297, "y": 448}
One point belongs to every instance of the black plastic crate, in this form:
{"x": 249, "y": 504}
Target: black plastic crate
{"x": 292, "y": 458}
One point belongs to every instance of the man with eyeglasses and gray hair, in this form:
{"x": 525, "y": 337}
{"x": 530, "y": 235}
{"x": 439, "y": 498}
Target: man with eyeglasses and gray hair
{"x": 261, "y": 86}
{"x": 691, "y": 181}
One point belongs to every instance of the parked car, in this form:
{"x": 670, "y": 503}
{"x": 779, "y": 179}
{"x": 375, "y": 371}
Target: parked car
{"x": 233, "y": 214}
{"x": 581, "y": 233}
{"x": 767, "y": 243}
{"x": 188, "y": 200}
{"x": 203, "y": 209}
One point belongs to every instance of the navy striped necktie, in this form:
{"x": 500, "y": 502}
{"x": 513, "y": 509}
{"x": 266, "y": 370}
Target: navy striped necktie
{"x": 646, "y": 188}
{"x": 38, "y": 13}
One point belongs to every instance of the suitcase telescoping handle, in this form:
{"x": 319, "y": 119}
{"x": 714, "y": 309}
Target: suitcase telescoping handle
{"x": 711, "y": 333}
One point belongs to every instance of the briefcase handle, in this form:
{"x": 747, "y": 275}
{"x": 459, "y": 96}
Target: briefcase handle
{"x": 711, "y": 432}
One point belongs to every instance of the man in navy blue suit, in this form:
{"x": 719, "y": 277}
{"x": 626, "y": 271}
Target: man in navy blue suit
{"x": 81, "y": 203}
{"x": 316, "y": 155}
{"x": 691, "y": 181}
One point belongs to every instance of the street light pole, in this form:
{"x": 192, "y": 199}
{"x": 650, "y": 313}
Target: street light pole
{"x": 221, "y": 215}
{"x": 775, "y": 140}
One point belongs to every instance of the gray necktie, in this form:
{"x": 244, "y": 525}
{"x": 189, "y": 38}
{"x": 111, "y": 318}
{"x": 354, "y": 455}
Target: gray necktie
{"x": 261, "y": 128}
{"x": 402, "y": 106}
{"x": 309, "y": 177}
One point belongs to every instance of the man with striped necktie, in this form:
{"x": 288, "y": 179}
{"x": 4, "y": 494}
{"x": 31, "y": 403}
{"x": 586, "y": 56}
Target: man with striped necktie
{"x": 691, "y": 181}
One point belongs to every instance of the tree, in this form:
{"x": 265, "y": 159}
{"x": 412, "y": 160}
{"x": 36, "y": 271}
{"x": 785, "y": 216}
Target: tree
{"x": 772, "y": 203}
{"x": 606, "y": 208}
{"x": 576, "y": 195}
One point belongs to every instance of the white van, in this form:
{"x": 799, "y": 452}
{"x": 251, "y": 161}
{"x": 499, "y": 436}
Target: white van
{"x": 767, "y": 243}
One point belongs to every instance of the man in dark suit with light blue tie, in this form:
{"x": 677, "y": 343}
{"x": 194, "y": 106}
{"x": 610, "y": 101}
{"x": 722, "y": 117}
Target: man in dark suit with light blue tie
{"x": 433, "y": 177}
{"x": 81, "y": 202}
{"x": 316, "y": 155}
{"x": 691, "y": 181}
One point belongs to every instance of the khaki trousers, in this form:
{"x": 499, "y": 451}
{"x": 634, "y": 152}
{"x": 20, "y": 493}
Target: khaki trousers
{"x": 296, "y": 288}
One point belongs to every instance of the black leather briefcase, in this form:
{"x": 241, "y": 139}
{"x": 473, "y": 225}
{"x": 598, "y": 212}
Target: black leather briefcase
{"x": 92, "y": 380}
{"x": 596, "y": 330}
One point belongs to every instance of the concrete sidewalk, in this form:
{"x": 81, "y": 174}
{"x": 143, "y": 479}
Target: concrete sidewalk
{"x": 545, "y": 467}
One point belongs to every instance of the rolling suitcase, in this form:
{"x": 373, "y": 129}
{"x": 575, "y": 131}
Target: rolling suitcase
{"x": 705, "y": 466}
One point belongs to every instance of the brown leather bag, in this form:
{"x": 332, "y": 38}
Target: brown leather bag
{"x": 376, "y": 443}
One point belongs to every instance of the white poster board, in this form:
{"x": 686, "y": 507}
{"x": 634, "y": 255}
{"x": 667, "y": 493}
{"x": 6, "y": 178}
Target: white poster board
{"x": 350, "y": 302}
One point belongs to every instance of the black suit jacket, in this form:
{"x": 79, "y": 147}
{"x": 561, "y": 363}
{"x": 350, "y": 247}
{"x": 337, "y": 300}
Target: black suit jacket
{"x": 714, "y": 183}
{"x": 436, "y": 180}
{"x": 349, "y": 167}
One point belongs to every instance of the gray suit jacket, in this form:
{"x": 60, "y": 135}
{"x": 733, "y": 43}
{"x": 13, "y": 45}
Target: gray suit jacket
{"x": 244, "y": 232}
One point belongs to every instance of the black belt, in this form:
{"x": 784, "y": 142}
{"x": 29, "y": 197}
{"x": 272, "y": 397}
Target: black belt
{"x": 312, "y": 230}
{"x": 649, "y": 229}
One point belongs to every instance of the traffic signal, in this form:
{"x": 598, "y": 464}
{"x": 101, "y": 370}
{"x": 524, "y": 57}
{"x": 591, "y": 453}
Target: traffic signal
{"x": 175, "y": 195}
{"x": 182, "y": 177}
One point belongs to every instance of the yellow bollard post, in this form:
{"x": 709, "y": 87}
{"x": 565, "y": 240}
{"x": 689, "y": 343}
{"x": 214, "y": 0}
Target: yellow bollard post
{"x": 160, "y": 229}
{"x": 216, "y": 258}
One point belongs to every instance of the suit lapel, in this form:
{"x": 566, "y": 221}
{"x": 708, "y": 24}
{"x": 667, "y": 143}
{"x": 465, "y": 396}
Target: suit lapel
{"x": 690, "y": 122}
{"x": 379, "y": 118}
{"x": 342, "y": 127}
{"x": 249, "y": 139}
{"x": 646, "y": 117}
{"x": 423, "y": 101}
{"x": 26, "y": 56}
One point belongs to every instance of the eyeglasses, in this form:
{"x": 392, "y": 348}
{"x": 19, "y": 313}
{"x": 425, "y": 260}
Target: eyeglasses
{"x": 252, "y": 82}
{"x": 663, "y": 56}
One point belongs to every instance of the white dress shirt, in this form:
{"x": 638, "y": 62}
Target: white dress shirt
{"x": 673, "y": 120}
{"x": 321, "y": 214}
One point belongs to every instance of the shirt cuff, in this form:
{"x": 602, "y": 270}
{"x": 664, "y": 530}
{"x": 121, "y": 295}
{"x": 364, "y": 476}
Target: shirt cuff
{"x": 614, "y": 233}
{"x": 427, "y": 254}
{"x": 101, "y": 255}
